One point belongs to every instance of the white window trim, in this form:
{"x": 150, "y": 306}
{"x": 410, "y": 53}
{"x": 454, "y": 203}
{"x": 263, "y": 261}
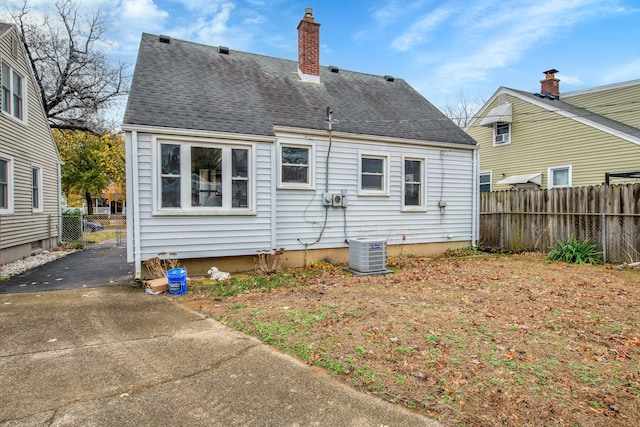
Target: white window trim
{"x": 490, "y": 173}
{"x": 423, "y": 185}
{"x": 40, "y": 207}
{"x": 185, "y": 186}
{"x": 385, "y": 171}
{"x": 495, "y": 133}
{"x": 12, "y": 70}
{"x": 312, "y": 177}
{"x": 10, "y": 186}
{"x": 550, "y": 172}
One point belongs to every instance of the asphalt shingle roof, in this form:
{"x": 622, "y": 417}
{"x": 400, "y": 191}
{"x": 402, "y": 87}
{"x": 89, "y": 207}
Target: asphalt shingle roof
{"x": 4, "y": 27}
{"x": 187, "y": 85}
{"x": 558, "y": 104}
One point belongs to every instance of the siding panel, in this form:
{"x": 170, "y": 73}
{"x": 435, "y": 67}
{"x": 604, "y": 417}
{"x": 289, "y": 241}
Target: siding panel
{"x": 619, "y": 104}
{"x": 197, "y": 236}
{"x": 541, "y": 139}
{"x": 300, "y": 214}
{"x": 29, "y": 144}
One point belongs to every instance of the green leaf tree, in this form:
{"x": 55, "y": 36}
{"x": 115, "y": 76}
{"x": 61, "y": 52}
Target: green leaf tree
{"x": 90, "y": 162}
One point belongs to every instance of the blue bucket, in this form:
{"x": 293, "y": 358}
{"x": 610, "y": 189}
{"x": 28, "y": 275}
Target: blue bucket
{"x": 177, "y": 281}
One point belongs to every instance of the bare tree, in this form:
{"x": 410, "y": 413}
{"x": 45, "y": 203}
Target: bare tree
{"x": 77, "y": 80}
{"x": 462, "y": 110}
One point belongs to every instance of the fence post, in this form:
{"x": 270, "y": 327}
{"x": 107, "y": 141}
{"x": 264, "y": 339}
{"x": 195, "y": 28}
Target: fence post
{"x": 501, "y": 230}
{"x": 604, "y": 237}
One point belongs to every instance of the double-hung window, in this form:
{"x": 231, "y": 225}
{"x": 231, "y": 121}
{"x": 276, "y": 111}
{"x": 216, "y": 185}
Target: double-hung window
{"x": 36, "y": 189}
{"x": 559, "y": 176}
{"x": 485, "y": 182}
{"x": 6, "y": 185}
{"x": 413, "y": 191}
{"x": 501, "y": 133}
{"x": 296, "y": 166}
{"x": 13, "y": 92}
{"x": 204, "y": 177}
{"x": 373, "y": 171}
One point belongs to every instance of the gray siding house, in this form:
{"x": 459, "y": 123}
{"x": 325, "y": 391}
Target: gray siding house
{"x": 230, "y": 153}
{"x": 29, "y": 159}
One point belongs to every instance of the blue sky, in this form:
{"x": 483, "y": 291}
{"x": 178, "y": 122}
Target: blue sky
{"x": 444, "y": 49}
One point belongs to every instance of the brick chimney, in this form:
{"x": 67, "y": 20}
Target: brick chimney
{"x": 309, "y": 48}
{"x": 550, "y": 85}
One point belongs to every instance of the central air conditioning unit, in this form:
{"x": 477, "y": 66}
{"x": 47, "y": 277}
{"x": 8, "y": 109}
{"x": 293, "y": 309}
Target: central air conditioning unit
{"x": 368, "y": 256}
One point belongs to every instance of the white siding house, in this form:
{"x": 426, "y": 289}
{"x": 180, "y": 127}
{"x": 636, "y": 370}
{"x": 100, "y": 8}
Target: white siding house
{"x": 229, "y": 153}
{"x": 29, "y": 160}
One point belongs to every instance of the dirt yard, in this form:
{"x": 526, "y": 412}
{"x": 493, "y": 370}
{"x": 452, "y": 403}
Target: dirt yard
{"x": 480, "y": 341}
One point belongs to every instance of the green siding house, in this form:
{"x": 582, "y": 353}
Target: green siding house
{"x": 29, "y": 159}
{"x": 554, "y": 140}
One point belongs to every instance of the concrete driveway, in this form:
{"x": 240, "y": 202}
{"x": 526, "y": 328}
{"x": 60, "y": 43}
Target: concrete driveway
{"x": 115, "y": 356}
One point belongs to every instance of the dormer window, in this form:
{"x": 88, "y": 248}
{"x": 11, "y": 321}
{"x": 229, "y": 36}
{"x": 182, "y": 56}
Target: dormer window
{"x": 501, "y": 133}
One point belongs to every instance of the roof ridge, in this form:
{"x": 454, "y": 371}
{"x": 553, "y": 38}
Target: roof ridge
{"x": 295, "y": 61}
{"x": 595, "y": 89}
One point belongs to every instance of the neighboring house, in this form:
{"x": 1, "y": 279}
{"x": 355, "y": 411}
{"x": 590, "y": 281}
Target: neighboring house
{"x": 229, "y": 153}
{"x": 29, "y": 160}
{"x": 554, "y": 140}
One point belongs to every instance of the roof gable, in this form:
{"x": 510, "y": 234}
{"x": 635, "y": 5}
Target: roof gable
{"x": 36, "y": 119}
{"x": 187, "y": 85}
{"x": 569, "y": 111}
{"x": 4, "y": 27}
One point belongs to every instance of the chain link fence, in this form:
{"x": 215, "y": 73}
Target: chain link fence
{"x": 617, "y": 235}
{"x": 82, "y": 229}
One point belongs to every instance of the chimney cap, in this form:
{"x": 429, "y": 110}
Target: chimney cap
{"x": 551, "y": 71}
{"x": 308, "y": 12}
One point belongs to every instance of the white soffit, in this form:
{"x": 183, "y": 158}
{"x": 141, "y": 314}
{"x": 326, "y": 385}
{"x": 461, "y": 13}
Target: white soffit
{"x": 532, "y": 178}
{"x": 501, "y": 113}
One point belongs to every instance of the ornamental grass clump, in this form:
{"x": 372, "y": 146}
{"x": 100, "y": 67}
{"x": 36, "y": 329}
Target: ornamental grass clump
{"x": 576, "y": 252}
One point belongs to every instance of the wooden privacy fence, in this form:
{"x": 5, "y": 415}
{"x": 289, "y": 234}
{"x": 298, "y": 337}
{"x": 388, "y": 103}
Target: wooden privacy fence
{"x": 536, "y": 219}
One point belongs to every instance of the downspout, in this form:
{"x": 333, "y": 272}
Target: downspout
{"x": 59, "y": 183}
{"x": 274, "y": 189}
{"x": 475, "y": 223}
{"x": 133, "y": 227}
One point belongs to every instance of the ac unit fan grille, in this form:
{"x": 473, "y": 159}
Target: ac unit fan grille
{"x": 368, "y": 255}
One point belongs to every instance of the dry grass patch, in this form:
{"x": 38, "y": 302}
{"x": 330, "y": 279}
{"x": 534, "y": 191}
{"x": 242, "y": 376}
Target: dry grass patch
{"x": 493, "y": 340}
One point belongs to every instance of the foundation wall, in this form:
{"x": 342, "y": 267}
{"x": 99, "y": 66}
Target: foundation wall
{"x": 199, "y": 267}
